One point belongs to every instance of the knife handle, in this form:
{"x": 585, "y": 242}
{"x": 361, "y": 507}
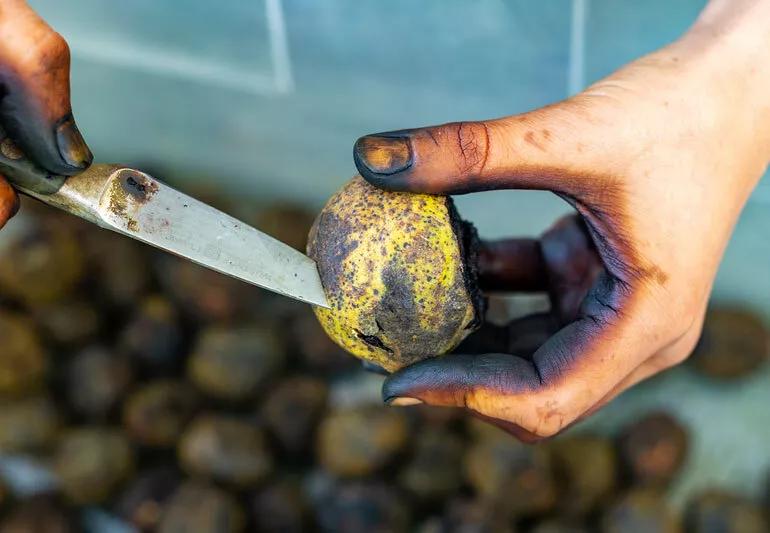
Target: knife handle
{"x": 23, "y": 174}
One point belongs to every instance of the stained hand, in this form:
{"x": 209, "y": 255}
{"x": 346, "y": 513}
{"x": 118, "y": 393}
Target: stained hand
{"x": 658, "y": 161}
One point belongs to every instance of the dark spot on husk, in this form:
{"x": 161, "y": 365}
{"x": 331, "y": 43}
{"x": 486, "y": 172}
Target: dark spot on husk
{"x": 330, "y": 247}
{"x": 373, "y": 340}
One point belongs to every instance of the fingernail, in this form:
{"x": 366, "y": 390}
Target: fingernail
{"x": 72, "y": 147}
{"x": 404, "y": 401}
{"x": 382, "y": 154}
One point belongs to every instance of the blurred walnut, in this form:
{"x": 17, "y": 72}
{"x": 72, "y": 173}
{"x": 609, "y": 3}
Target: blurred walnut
{"x": 587, "y": 470}
{"x": 205, "y": 295}
{"x": 41, "y": 261}
{"x": 69, "y": 323}
{"x": 198, "y": 507}
{"x": 280, "y": 508}
{"x": 28, "y": 424}
{"x": 120, "y": 267}
{"x": 96, "y": 380}
{"x": 434, "y": 470}
{"x": 39, "y": 514}
{"x": 359, "y": 442}
{"x": 653, "y": 449}
{"x": 507, "y": 472}
{"x": 734, "y": 343}
{"x": 156, "y": 413}
{"x": 142, "y": 502}
{"x": 23, "y": 362}
{"x": 316, "y": 350}
{"x": 91, "y": 462}
{"x": 358, "y": 506}
{"x": 292, "y": 411}
{"x": 153, "y": 335}
{"x": 721, "y": 511}
{"x": 236, "y": 363}
{"x": 640, "y": 511}
{"x": 225, "y": 449}
{"x": 468, "y": 515}
{"x": 555, "y": 525}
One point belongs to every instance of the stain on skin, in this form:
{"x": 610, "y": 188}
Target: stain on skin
{"x": 530, "y": 138}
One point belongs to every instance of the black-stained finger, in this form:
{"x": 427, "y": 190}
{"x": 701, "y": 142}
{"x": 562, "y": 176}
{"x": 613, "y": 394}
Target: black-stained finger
{"x": 572, "y": 265}
{"x": 552, "y": 148}
{"x": 35, "y": 105}
{"x": 512, "y": 265}
{"x": 447, "y": 380}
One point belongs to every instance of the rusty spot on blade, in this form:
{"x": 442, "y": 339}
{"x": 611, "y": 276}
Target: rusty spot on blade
{"x": 128, "y": 192}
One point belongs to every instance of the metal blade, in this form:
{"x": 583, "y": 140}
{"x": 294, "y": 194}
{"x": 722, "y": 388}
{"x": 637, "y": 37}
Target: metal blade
{"x": 133, "y": 203}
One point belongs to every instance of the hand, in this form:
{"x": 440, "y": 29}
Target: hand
{"x": 35, "y": 106}
{"x": 658, "y": 161}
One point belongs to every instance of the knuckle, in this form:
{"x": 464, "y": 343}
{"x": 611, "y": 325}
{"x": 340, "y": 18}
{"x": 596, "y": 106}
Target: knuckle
{"x": 472, "y": 146}
{"x": 50, "y": 53}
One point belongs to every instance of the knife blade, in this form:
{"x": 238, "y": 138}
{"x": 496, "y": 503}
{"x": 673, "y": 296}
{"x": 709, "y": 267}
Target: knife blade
{"x": 136, "y": 204}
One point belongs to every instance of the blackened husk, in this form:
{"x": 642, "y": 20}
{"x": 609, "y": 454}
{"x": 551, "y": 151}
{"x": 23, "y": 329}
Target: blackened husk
{"x": 469, "y": 243}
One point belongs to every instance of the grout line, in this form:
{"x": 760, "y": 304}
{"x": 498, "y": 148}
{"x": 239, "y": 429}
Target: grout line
{"x": 279, "y": 46}
{"x": 577, "y": 45}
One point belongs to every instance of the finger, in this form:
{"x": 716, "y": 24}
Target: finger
{"x": 512, "y": 265}
{"x": 35, "y": 107}
{"x": 572, "y": 264}
{"x": 567, "y": 376}
{"x": 537, "y": 150}
{"x": 9, "y": 202}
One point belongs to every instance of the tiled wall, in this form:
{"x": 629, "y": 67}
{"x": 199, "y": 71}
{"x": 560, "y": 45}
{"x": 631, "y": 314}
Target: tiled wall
{"x": 269, "y": 95}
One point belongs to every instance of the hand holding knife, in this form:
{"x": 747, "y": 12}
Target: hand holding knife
{"x": 36, "y": 121}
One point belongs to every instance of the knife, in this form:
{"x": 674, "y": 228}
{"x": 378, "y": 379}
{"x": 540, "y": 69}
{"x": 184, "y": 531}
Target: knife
{"x": 133, "y": 203}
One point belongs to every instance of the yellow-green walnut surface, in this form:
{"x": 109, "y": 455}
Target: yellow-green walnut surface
{"x": 399, "y": 274}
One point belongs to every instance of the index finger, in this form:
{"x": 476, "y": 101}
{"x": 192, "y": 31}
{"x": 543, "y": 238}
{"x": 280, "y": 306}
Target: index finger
{"x": 35, "y": 105}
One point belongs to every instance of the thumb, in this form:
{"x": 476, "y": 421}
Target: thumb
{"x": 542, "y": 149}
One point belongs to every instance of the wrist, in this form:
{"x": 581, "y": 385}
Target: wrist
{"x": 731, "y": 41}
